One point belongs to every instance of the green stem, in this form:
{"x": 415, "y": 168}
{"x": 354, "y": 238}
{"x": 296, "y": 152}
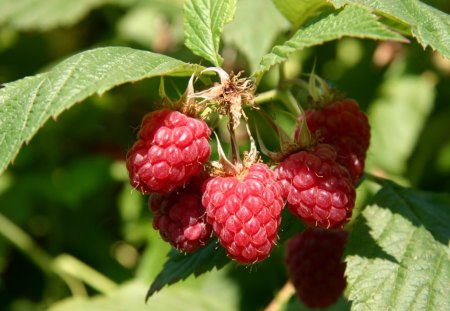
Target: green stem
{"x": 379, "y": 180}
{"x": 281, "y": 298}
{"x": 266, "y": 96}
{"x": 25, "y": 244}
{"x": 286, "y": 97}
{"x": 73, "y": 267}
{"x": 234, "y": 146}
{"x": 291, "y": 103}
{"x": 68, "y": 268}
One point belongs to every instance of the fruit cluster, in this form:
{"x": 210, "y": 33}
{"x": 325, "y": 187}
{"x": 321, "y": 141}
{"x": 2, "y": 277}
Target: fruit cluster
{"x": 240, "y": 201}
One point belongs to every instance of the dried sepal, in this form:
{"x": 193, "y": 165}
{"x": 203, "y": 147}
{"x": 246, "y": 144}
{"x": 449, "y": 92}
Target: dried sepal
{"x": 229, "y": 95}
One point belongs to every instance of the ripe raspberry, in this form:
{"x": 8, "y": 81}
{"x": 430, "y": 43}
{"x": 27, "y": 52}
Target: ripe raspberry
{"x": 317, "y": 188}
{"x": 245, "y": 212}
{"x": 171, "y": 148}
{"x": 343, "y": 125}
{"x": 180, "y": 217}
{"x": 313, "y": 260}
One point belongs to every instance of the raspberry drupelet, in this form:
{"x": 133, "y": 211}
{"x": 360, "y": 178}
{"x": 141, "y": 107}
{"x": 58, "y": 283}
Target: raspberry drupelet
{"x": 180, "y": 216}
{"x": 314, "y": 265}
{"x": 171, "y": 148}
{"x": 317, "y": 188}
{"x": 245, "y": 212}
{"x": 343, "y": 125}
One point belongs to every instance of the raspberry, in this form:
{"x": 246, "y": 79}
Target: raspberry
{"x": 313, "y": 261}
{"x": 245, "y": 212}
{"x": 343, "y": 125}
{"x": 171, "y": 148}
{"x": 180, "y": 217}
{"x": 318, "y": 189}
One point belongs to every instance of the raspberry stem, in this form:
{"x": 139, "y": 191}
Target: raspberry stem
{"x": 234, "y": 145}
{"x": 376, "y": 179}
{"x": 281, "y": 298}
{"x": 266, "y": 96}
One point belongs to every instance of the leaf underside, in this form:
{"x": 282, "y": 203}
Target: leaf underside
{"x": 398, "y": 256}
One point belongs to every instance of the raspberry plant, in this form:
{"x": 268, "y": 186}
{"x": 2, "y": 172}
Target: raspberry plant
{"x": 328, "y": 117}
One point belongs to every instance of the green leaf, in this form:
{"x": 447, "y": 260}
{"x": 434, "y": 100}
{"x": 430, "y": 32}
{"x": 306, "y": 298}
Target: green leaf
{"x": 203, "y": 25}
{"x": 398, "y": 256}
{"x": 255, "y": 27}
{"x": 130, "y": 296}
{"x": 350, "y": 21}
{"x": 26, "y": 104}
{"x": 44, "y": 15}
{"x": 180, "y": 266}
{"x": 429, "y": 26}
{"x": 300, "y": 11}
{"x": 406, "y": 95}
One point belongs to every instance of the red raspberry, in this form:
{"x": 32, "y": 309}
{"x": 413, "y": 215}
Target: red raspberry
{"x": 318, "y": 189}
{"x": 171, "y": 148}
{"x": 313, "y": 260}
{"x": 245, "y": 212}
{"x": 180, "y": 217}
{"x": 343, "y": 125}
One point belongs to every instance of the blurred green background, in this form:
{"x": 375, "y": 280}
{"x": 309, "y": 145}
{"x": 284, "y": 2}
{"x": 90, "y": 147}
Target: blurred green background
{"x": 66, "y": 201}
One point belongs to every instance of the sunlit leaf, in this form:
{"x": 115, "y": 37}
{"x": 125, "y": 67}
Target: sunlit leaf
{"x": 130, "y": 296}
{"x": 352, "y": 21}
{"x": 203, "y": 25}
{"x": 300, "y": 11}
{"x": 398, "y": 256}
{"x": 26, "y": 104}
{"x": 44, "y": 15}
{"x": 429, "y": 26}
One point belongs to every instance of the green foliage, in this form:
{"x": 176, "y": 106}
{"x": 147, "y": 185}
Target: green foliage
{"x": 66, "y": 206}
{"x": 406, "y": 95}
{"x": 351, "y": 21}
{"x": 180, "y": 266}
{"x": 254, "y": 17}
{"x": 429, "y": 26}
{"x": 44, "y": 15}
{"x": 398, "y": 253}
{"x": 27, "y": 104}
{"x": 129, "y": 297}
{"x": 154, "y": 24}
{"x": 203, "y": 25}
{"x": 299, "y": 12}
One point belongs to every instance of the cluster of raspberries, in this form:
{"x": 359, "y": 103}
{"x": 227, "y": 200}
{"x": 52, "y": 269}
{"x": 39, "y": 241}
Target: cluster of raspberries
{"x": 243, "y": 209}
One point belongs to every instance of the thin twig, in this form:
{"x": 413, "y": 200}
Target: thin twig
{"x": 266, "y": 96}
{"x": 71, "y": 270}
{"x": 281, "y": 298}
{"x": 233, "y": 142}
